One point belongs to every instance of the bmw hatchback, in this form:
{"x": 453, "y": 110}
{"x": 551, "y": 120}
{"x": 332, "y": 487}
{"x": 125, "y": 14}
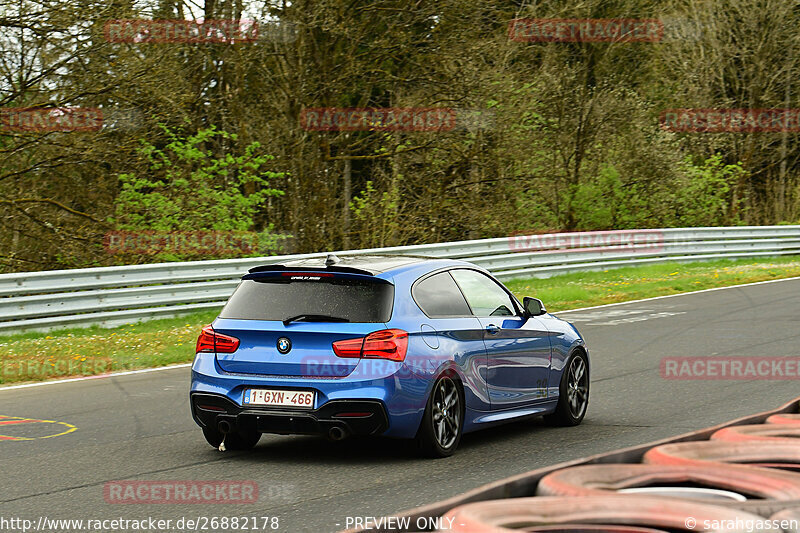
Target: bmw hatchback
{"x": 405, "y": 347}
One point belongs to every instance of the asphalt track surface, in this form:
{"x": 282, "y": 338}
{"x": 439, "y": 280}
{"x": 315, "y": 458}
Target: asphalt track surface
{"x": 138, "y": 427}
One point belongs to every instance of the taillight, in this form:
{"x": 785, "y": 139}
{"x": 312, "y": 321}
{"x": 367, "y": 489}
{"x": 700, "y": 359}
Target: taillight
{"x": 389, "y": 344}
{"x": 205, "y": 342}
{"x": 386, "y": 344}
{"x": 210, "y": 341}
{"x": 348, "y": 348}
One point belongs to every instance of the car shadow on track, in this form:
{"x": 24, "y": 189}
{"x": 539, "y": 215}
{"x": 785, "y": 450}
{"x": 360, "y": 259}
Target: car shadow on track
{"x": 380, "y": 450}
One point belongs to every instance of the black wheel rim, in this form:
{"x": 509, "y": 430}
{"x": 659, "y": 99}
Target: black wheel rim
{"x": 446, "y": 412}
{"x": 577, "y": 387}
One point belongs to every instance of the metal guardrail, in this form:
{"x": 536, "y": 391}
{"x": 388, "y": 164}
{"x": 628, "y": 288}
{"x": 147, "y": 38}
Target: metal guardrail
{"x": 109, "y": 296}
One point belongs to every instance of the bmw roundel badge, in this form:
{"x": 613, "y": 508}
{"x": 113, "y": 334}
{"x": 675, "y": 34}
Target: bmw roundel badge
{"x": 284, "y": 345}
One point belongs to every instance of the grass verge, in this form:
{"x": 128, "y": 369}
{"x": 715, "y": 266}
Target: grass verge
{"x": 90, "y": 351}
{"x": 585, "y": 289}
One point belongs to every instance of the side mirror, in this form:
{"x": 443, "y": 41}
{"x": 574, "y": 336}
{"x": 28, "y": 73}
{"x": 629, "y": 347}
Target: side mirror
{"x": 533, "y": 306}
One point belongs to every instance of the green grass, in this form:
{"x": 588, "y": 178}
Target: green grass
{"x": 89, "y": 351}
{"x": 584, "y": 289}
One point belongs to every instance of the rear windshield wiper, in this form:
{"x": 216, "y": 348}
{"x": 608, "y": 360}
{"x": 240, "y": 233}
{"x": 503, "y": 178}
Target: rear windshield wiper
{"x": 313, "y": 318}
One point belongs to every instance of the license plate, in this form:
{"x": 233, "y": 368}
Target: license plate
{"x": 279, "y": 398}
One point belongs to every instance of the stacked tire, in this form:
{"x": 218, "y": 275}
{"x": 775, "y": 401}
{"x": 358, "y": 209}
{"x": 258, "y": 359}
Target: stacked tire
{"x": 597, "y": 513}
{"x": 758, "y": 490}
{"x": 782, "y": 455}
{"x": 743, "y": 478}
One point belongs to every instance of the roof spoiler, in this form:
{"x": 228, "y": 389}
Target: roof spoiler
{"x": 284, "y": 268}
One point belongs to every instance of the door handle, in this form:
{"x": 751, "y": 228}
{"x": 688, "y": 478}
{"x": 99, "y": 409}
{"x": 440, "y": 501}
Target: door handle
{"x": 492, "y": 329}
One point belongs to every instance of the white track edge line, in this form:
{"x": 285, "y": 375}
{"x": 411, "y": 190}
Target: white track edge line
{"x": 99, "y": 376}
{"x": 186, "y": 365}
{"x": 678, "y": 294}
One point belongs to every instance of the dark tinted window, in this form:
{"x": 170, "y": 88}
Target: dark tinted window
{"x": 354, "y": 300}
{"x": 438, "y": 296}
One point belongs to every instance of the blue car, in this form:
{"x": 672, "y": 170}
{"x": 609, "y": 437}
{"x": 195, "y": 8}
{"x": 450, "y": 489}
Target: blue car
{"x": 399, "y": 346}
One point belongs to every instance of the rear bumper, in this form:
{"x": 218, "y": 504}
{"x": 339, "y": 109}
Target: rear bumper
{"x": 401, "y": 397}
{"x": 354, "y": 417}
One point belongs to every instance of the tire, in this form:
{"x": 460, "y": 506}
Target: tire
{"x": 772, "y": 433}
{"x": 573, "y": 392}
{"x": 662, "y": 514}
{"x": 592, "y": 528}
{"x": 784, "y": 419}
{"x": 704, "y": 452}
{"x": 767, "y": 490}
{"x": 789, "y": 514}
{"x": 600, "y": 479}
{"x": 237, "y": 440}
{"x": 443, "y": 422}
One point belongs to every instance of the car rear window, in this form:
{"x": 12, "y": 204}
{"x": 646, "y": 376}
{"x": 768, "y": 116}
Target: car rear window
{"x": 282, "y": 298}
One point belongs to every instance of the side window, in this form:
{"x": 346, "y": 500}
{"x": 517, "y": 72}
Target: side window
{"x": 438, "y": 296}
{"x": 485, "y": 297}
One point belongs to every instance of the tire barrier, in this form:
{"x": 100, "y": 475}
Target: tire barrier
{"x": 688, "y": 493}
{"x": 611, "y": 512}
{"x": 772, "y": 433}
{"x": 641, "y": 489}
{"x": 765, "y": 491}
{"x": 785, "y": 456}
{"x": 592, "y": 528}
{"x": 791, "y": 516}
{"x": 785, "y": 419}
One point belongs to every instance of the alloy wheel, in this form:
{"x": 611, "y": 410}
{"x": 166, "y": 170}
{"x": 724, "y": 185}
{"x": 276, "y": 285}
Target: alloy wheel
{"x": 577, "y": 387}
{"x": 446, "y": 412}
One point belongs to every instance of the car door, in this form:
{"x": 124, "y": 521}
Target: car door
{"x": 453, "y": 332}
{"x": 518, "y": 348}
